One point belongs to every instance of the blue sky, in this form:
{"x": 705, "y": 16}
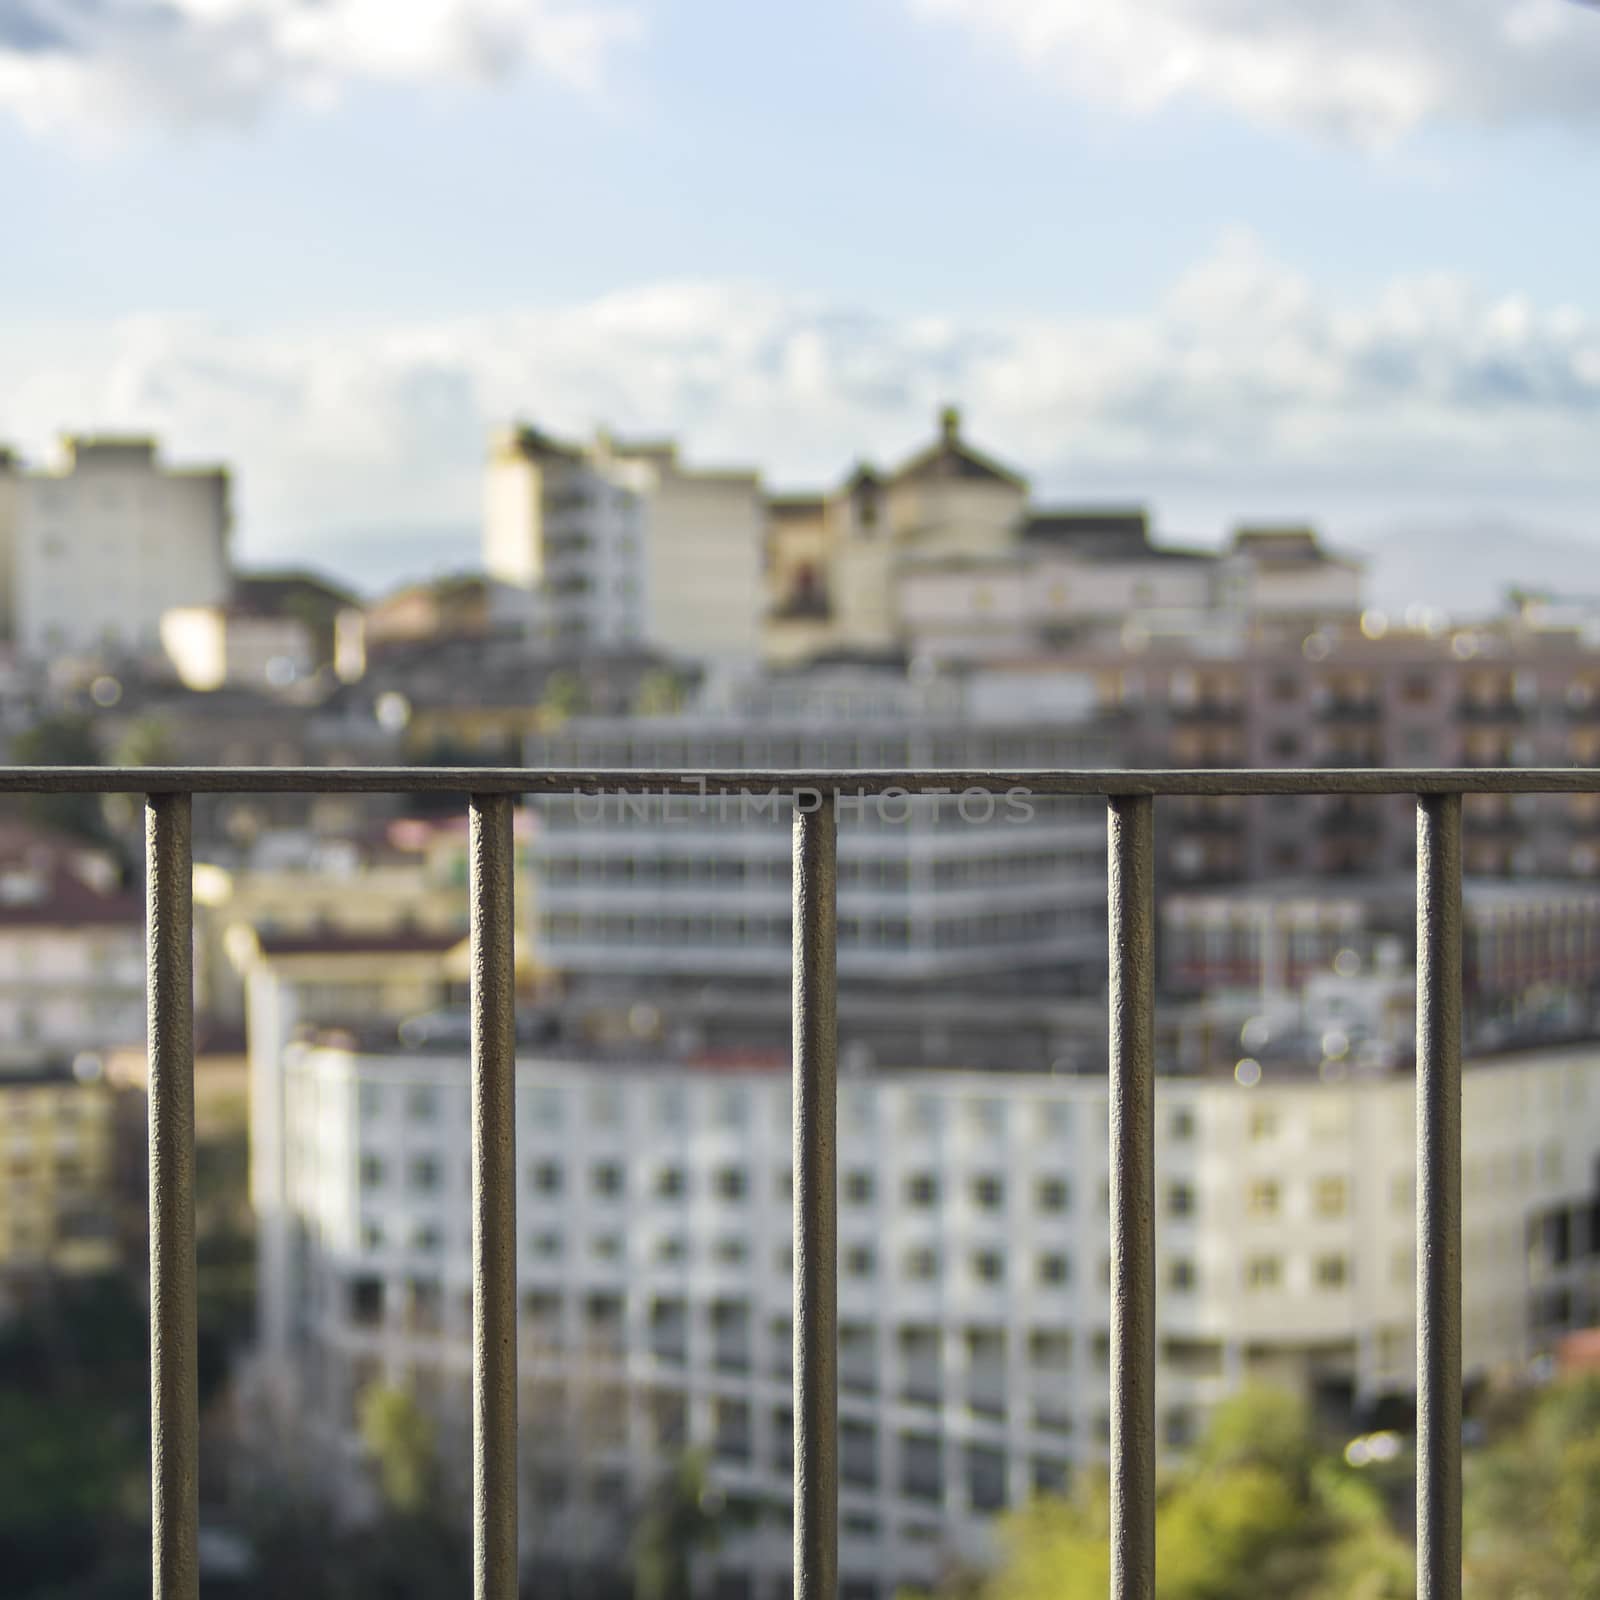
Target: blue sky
{"x": 1242, "y": 260}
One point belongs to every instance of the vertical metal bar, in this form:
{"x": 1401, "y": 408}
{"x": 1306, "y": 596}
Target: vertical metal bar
{"x": 494, "y": 1204}
{"x": 1130, "y": 831}
{"x": 174, "y": 1374}
{"x": 1439, "y": 1197}
{"x": 816, "y": 1306}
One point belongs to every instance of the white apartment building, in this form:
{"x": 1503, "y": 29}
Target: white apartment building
{"x": 973, "y": 888}
{"x": 110, "y": 539}
{"x": 617, "y": 543}
{"x": 654, "y": 1219}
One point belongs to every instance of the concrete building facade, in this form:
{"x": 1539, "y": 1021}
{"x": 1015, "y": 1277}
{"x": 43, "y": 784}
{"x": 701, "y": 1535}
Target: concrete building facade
{"x": 975, "y": 890}
{"x": 108, "y": 541}
{"x": 654, "y": 1221}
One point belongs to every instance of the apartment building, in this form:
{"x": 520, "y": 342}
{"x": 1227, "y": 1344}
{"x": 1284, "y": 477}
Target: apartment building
{"x": 106, "y": 541}
{"x": 976, "y": 890}
{"x": 654, "y": 1216}
{"x": 618, "y": 544}
{"x": 564, "y": 539}
{"x": 1508, "y": 690}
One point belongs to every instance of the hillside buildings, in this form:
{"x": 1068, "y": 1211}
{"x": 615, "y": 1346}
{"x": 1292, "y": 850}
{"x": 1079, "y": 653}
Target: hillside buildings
{"x": 946, "y": 558}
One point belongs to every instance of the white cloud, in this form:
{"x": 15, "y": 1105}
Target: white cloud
{"x": 91, "y": 67}
{"x": 1243, "y": 381}
{"x": 1367, "y": 70}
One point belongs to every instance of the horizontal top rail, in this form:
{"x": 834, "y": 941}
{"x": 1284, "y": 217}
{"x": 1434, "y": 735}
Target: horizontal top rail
{"x": 924, "y": 781}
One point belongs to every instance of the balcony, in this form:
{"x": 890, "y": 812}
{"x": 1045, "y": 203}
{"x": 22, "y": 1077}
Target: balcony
{"x": 1225, "y": 712}
{"x": 1481, "y": 712}
{"x": 1130, "y": 1349}
{"x": 1361, "y": 710}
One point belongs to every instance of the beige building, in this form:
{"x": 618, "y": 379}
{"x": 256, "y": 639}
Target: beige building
{"x": 58, "y": 1205}
{"x": 947, "y": 560}
{"x": 617, "y": 544}
{"x": 703, "y": 530}
{"x": 210, "y": 646}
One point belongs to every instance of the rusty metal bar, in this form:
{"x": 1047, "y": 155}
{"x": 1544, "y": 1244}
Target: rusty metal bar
{"x": 494, "y": 1203}
{"x": 553, "y": 781}
{"x": 1439, "y": 1197}
{"x": 816, "y": 1307}
{"x": 174, "y": 1371}
{"x": 1130, "y": 829}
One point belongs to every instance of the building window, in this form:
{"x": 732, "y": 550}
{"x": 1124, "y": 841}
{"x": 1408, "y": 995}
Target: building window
{"x": 1052, "y": 1195}
{"x": 425, "y": 1174}
{"x": 988, "y": 1192}
{"x": 922, "y": 1189}
{"x": 1263, "y": 1123}
{"x": 422, "y": 1105}
{"x": 1332, "y": 1272}
{"x": 371, "y": 1172}
{"x": 606, "y": 1180}
{"x": 858, "y": 1188}
{"x": 859, "y": 1261}
{"x": 670, "y": 1183}
{"x": 922, "y": 1265}
{"x": 1180, "y": 1200}
{"x": 1183, "y": 1123}
{"x": 1331, "y": 1197}
{"x": 1261, "y": 1198}
{"x": 1180, "y": 1275}
{"x": 730, "y": 1183}
{"x": 989, "y": 1266}
{"x": 1262, "y": 1272}
{"x": 1054, "y": 1269}
{"x": 547, "y": 1178}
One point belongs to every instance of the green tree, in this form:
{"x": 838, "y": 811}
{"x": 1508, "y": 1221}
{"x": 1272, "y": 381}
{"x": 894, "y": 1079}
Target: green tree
{"x": 64, "y": 741}
{"x": 565, "y": 695}
{"x": 659, "y": 694}
{"x": 679, "y": 1520}
{"x": 400, "y": 1439}
{"x": 1533, "y": 1501}
{"x": 1255, "y": 1510}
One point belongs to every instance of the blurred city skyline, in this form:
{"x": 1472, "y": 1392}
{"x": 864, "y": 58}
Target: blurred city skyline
{"x": 1233, "y": 263}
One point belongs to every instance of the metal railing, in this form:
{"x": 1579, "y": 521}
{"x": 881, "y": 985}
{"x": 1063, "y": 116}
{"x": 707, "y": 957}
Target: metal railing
{"x": 1131, "y": 862}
